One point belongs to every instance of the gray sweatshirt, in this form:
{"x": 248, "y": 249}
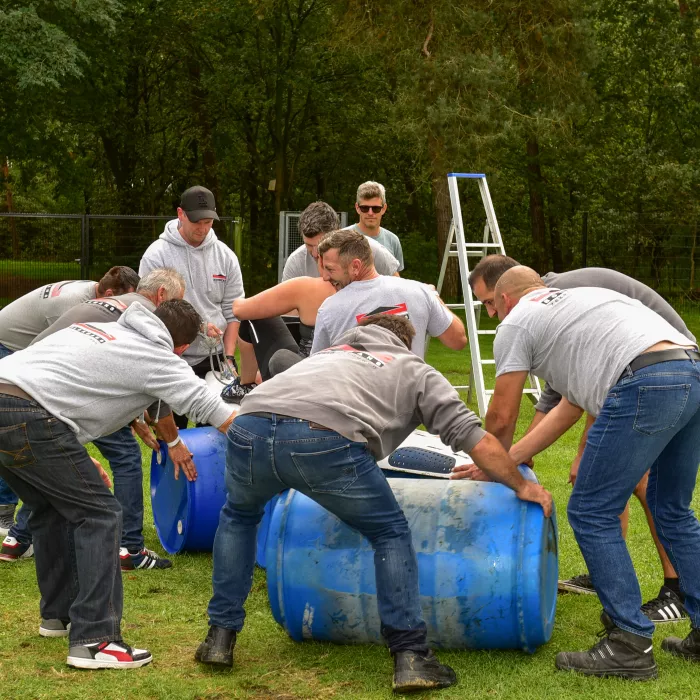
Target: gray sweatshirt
{"x": 98, "y": 377}
{"x": 369, "y": 388}
{"x": 212, "y": 278}
{"x": 23, "y": 319}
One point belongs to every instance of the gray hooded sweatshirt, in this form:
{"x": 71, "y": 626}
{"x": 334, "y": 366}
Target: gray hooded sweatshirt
{"x": 369, "y": 387}
{"x": 212, "y": 278}
{"x": 98, "y": 377}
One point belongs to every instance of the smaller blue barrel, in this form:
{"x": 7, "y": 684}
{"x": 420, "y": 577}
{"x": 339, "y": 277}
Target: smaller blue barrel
{"x": 186, "y": 513}
{"x": 487, "y": 565}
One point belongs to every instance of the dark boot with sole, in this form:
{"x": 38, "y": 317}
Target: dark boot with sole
{"x": 688, "y": 648}
{"x": 217, "y": 648}
{"x": 414, "y": 672}
{"x": 618, "y": 653}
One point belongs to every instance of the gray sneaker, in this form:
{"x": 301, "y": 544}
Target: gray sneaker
{"x": 54, "y": 628}
{"x": 7, "y": 518}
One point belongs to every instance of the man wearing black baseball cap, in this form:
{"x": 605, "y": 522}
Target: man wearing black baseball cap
{"x": 211, "y": 271}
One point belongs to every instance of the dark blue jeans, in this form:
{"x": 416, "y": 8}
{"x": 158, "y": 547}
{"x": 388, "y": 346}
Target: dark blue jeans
{"x": 7, "y": 495}
{"x": 75, "y": 520}
{"x": 123, "y": 453}
{"x": 265, "y": 456}
{"x": 650, "y": 421}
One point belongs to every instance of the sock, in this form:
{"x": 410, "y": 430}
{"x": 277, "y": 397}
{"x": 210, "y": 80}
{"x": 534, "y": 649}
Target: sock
{"x": 675, "y": 586}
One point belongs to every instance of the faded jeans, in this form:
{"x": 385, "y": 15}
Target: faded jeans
{"x": 75, "y": 520}
{"x": 650, "y": 421}
{"x": 265, "y": 456}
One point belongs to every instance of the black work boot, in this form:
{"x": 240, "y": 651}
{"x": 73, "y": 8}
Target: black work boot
{"x": 618, "y": 653}
{"x": 688, "y": 648}
{"x": 217, "y": 648}
{"x": 414, "y": 671}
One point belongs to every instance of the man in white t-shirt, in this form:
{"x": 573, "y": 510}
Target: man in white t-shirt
{"x": 609, "y": 355}
{"x": 370, "y": 205}
{"x": 315, "y": 222}
{"x": 347, "y": 263}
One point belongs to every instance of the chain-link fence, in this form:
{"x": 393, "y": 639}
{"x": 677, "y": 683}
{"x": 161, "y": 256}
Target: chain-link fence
{"x": 37, "y": 249}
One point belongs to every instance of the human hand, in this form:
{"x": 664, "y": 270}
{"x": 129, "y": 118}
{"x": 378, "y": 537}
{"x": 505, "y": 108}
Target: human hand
{"x": 214, "y": 331}
{"x": 468, "y": 471}
{"x": 103, "y": 474}
{"x": 573, "y": 472}
{"x": 536, "y": 493}
{"x": 144, "y": 432}
{"x": 182, "y": 459}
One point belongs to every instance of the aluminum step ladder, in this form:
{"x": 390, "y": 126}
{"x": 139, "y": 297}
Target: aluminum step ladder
{"x": 458, "y": 247}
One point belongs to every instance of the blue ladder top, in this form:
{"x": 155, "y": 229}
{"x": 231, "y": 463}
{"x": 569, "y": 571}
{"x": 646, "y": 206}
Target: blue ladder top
{"x": 473, "y": 176}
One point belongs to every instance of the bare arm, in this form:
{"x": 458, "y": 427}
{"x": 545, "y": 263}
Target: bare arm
{"x": 549, "y": 429}
{"x": 278, "y": 300}
{"x": 231, "y": 337}
{"x": 455, "y": 336}
{"x": 504, "y": 407}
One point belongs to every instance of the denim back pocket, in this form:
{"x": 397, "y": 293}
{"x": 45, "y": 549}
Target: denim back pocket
{"x": 239, "y": 456}
{"x": 660, "y": 407}
{"x": 15, "y": 450}
{"x": 330, "y": 471}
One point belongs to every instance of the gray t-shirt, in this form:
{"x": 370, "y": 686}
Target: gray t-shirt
{"x": 23, "y": 319}
{"x": 302, "y": 264}
{"x": 386, "y": 238}
{"x": 578, "y": 340}
{"x": 382, "y": 295}
{"x": 609, "y": 279}
{"x": 104, "y": 310}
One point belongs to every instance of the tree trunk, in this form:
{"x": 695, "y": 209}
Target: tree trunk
{"x": 555, "y": 245}
{"x": 537, "y": 217}
{"x": 443, "y": 216}
{"x": 8, "y": 203}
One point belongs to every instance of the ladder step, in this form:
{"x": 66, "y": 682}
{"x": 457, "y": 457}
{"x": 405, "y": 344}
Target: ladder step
{"x": 489, "y": 392}
{"x": 486, "y": 332}
{"x": 487, "y": 362}
{"x": 456, "y": 306}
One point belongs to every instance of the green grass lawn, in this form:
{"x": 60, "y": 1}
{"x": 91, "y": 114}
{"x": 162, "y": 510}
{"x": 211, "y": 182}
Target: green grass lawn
{"x": 165, "y": 611}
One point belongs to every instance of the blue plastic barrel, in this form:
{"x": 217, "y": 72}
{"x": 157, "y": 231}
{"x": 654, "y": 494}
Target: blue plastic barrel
{"x": 186, "y": 513}
{"x": 263, "y": 530}
{"x": 487, "y": 568}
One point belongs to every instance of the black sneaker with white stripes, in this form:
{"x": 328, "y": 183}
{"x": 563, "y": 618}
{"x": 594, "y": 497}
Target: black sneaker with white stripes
{"x": 666, "y": 607}
{"x": 107, "y": 655}
{"x": 618, "y": 653}
{"x": 143, "y": 559}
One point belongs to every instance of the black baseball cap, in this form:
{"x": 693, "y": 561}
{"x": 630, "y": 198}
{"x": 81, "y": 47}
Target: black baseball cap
{"x": 198, "y": 203}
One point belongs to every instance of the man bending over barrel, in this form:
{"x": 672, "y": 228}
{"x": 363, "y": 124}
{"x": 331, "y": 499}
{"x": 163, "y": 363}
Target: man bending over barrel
{"x": 370, "y": 392}
{"x": 78, "y": 384}
{"x": 611, "y": 356}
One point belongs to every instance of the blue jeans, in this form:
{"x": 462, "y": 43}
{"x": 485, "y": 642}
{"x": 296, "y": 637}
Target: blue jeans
{"x": 75, "y": 520}
{"x": 7, "y": 495}
{"x": 650, "y": 421}
{"x": 124, "y": 456}
{"x": 267, "y": 455}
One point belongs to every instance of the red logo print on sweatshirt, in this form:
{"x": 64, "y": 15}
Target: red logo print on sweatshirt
{"x": 396, "y": 310}
{"x": 219, "y": 278}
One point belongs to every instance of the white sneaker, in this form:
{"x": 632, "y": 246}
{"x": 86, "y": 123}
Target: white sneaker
{"x": 107, "y": 655}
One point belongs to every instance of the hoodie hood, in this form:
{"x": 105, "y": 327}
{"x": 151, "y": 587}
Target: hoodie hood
{"x": 144, "y": 322}
{"x": 171, "y": 234}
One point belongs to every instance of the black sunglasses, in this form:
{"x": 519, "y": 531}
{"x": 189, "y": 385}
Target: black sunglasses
{"x": 364, "y": 208}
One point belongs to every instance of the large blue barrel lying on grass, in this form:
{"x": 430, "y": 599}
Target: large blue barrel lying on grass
{"x": 487, "y": 566}
{"x": 186, "y": 513}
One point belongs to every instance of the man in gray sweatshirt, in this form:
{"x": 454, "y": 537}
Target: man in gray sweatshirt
{"x": 23, "y": 319}
{"x": 212, "y": 276}
{"x": 83, "y": 382}
{"x": 120, "y": 448}
{"x": 370, "y": 391}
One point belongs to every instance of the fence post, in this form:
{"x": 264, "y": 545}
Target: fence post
{"x": 84, "y": 247}
{"x": 584, "y": 240}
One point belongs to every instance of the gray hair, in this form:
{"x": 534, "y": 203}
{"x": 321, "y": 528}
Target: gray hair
{"x": 317, "y": 218}
{"x": 171, "y": 280}
{"x": 370, "y": 190}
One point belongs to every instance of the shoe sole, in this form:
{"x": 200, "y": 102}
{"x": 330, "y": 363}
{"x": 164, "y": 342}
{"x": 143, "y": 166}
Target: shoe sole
{"x": 419, "y": 687}
{"x": 685, "y": 618}
{"x": 91, "y": 664}
{"x": 53, "y": 633}
{"x": 628, "y": 674}
{"x": 570, "y": 588}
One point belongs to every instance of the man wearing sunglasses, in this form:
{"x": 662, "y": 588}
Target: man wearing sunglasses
{"x": 370, "y": 206}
